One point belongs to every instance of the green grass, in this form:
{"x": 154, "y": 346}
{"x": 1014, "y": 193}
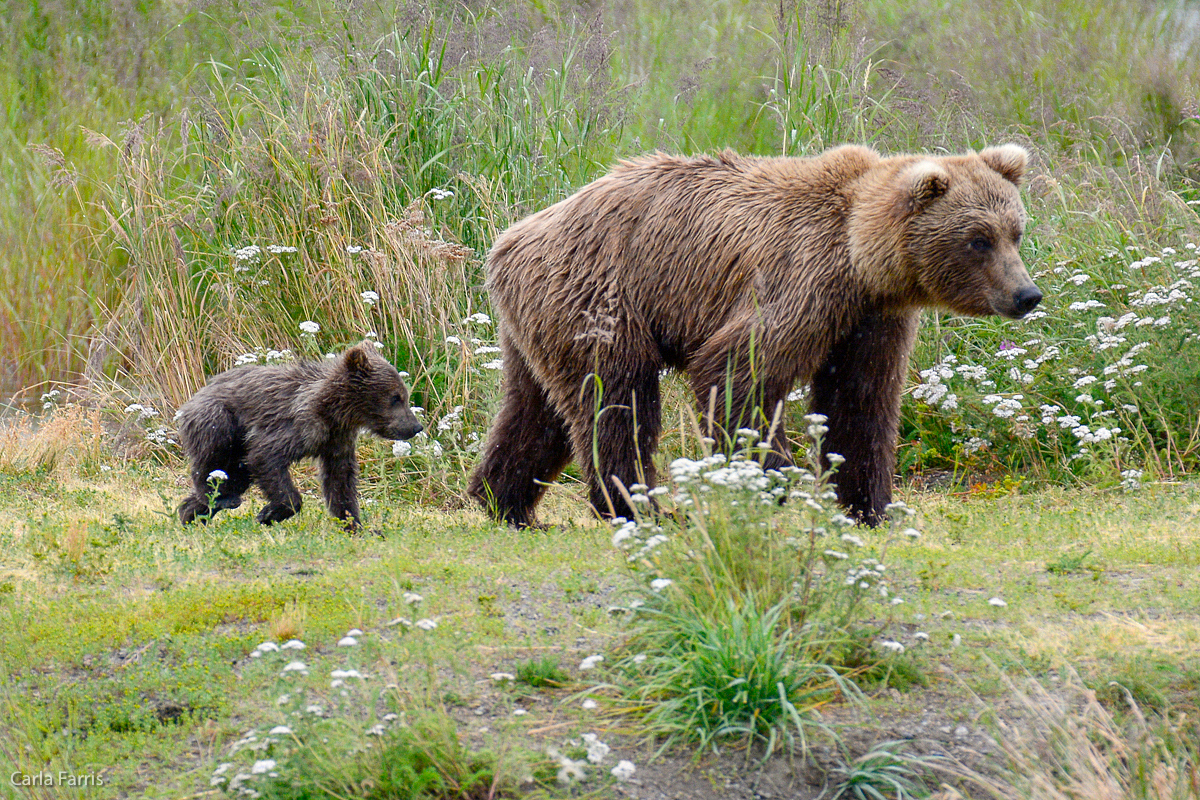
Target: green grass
{"x": 388, "y": 147}
{"x": 140, "y": 668}
{"x": 143, "y": 146}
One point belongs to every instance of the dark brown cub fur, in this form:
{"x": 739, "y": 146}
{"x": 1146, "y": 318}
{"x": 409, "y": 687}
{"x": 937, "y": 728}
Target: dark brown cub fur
{"x": 253, "y": 423}
{"x": 749, "y": 274}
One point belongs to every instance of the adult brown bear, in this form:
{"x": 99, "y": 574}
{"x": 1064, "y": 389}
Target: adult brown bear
{"x": 748, "y": 274}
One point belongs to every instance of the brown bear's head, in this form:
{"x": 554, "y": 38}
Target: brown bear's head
{"x": 376, "y": 393}
{"x": 963, "y": 222}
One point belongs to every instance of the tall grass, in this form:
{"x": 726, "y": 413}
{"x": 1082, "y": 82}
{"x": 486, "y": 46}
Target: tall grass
{"x": 388, "y": 145}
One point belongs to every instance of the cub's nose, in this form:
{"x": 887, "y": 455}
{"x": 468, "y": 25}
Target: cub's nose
{"x": 1026, "y": 299}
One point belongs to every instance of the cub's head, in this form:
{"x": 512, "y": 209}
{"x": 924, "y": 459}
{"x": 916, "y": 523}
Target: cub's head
{"x": 963, "y": 221}
{"x": 376, "y": 393}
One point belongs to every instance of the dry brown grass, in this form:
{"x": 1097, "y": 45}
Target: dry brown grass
{"x": 1063, "y": 744}
{"x": 64, "y": 439}
{"x": 289, "y": 623}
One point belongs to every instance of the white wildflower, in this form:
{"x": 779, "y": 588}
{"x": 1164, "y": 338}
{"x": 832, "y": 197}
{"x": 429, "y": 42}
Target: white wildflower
{"x": 590, "y": 662}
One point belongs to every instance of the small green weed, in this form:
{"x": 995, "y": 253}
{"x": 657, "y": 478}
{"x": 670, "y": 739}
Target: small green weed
{"x": 882, "y": 773}
{"x": 741, "y": 678}
{"x": 1071, "y": 562}
{"x": 542, "y": 673}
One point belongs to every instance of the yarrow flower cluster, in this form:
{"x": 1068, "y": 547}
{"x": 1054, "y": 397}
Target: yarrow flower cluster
{"x": 265, "y": 356}
{"x": 262, "y": 755}
{"x": 1073, "y": 408}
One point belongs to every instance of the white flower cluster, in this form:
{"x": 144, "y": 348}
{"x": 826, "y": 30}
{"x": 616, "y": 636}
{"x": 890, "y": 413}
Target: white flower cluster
{"x": 1131, "y": 479}
{"x": 263, "y": 356}
{"x": 639, "y": 539}
{"x": 248, "y": 253}
{"x": 570, "y": 770}
{"x": 143, "y": 412}
{"x": 477, "y": 346}
{"x": 932, "y": 389}
{"x": 420, "y": 445}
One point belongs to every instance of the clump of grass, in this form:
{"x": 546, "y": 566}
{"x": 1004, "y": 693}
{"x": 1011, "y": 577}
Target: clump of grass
{"x": 289, "y": 622}
{"x": 882, "y": 772}
{"x": 66, "y": 437}
{"x": 1069, "y": 745}
{"x": 356, "y": 742}
{"x": 542, "y": 672}
{"x": 1071, "y": 562}
{"x": 746, "y": 607}
{"x": 741, "y": 679}
{"x": 424, "y": 760}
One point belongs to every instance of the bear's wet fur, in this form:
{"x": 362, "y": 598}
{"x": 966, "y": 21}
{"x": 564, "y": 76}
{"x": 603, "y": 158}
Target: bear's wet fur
{"x": 254, "y": 422}
{"x": 748, "y": 274}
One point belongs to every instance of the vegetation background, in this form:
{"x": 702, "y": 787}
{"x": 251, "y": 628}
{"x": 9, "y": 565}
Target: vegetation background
{"x": 183, "y": 184}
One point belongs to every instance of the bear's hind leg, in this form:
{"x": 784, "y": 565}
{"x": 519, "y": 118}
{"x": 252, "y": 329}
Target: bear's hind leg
{"x": 270, "y": 472}
{"x": 527, "y": 447}
{"x": 229, "y": 494}
{"x": 228, "y": 490}
{"x": 214, "y": 440}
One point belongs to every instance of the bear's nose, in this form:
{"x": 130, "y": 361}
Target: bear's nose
{"x": 1024, "y": 300}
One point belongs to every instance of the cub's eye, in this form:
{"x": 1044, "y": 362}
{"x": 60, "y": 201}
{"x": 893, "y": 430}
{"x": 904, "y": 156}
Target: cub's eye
{"x": 980, "y": 244}
{"x": 397, "y": 399}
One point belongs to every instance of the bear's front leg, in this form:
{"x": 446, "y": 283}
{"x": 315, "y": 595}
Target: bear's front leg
{"x": 858, "y": 390}
{"x": 338, "y": 470}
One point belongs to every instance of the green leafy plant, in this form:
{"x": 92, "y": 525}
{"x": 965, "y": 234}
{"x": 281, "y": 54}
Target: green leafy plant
{"x": 542, "y": 672}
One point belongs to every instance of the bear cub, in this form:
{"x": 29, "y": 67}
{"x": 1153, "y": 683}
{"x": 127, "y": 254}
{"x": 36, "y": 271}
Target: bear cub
{"x": 252, "y": 423}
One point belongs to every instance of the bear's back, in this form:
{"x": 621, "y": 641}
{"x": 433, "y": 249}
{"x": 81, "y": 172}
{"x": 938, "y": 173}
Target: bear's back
{"x": 679, "y": 243}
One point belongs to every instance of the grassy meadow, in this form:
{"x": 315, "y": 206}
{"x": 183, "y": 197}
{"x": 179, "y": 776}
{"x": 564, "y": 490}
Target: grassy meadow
{"x": 189, "y": 186}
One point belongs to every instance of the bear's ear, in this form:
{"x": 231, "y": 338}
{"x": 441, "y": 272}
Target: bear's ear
{"x": 1010, "y": 160}
{"x": 356, "y": 359}
{"x": 924, "y": 182}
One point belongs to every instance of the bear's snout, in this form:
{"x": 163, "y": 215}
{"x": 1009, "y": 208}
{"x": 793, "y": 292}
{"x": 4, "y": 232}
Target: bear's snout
{"x": 405, "y": 429}
{"x": 1026, "y": 299}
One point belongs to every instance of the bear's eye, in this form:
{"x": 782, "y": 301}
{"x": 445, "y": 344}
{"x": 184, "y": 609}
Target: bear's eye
{"x": 980, "y": 244}
{"x": 397, "y": 399}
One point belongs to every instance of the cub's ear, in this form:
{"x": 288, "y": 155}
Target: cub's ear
{"x": 1010, "y": 160}
{"x": 356, "y": 359}
{"x": 922, "y": 183}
